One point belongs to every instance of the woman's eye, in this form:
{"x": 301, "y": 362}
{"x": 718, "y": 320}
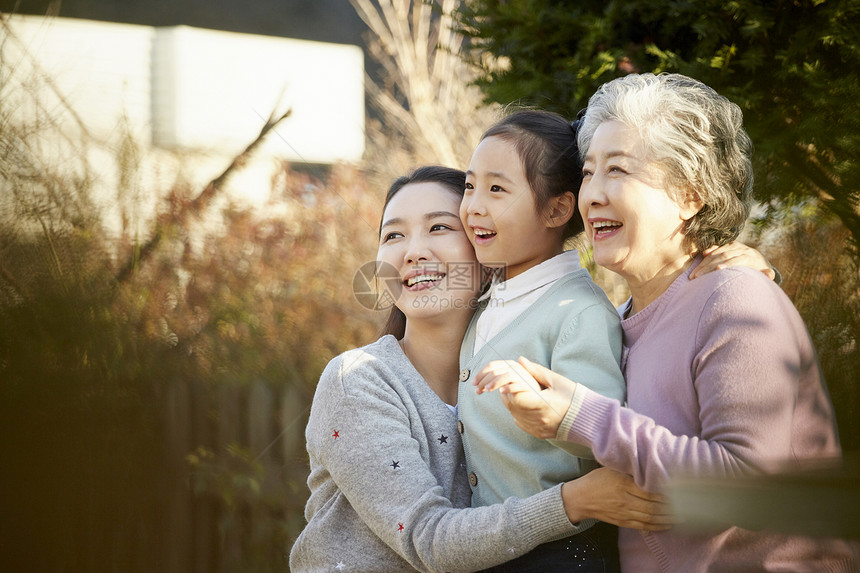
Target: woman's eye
{"x": 392, "y": 235}
{"x": 586, "y": 172}
{"x": 439, "y": 227}
{"x": 615, "y": 169}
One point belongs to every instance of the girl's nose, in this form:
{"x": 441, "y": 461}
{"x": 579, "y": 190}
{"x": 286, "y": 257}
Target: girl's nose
{"x": 474, "y": 203}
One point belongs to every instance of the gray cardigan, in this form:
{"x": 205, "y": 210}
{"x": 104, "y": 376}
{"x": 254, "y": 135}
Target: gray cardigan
{"x": 388, "y": 480}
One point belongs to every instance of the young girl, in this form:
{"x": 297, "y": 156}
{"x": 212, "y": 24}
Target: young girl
{"x": 388, "y": 487}
{"x": 519, "y": 208}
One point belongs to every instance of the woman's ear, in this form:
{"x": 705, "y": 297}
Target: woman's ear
{"x": 690, "y": 203}
{"x": 561, "y": 209}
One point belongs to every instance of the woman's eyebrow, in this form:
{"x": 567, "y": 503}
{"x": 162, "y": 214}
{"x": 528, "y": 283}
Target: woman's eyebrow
{"x": 437, "y": 214}
{"x": 394, "y": 221}
{"x": 608, "y": 155}
{"x": 428, "y": 216}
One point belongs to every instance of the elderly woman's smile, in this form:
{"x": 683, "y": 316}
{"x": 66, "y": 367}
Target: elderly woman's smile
{"x": 633, "y": 220}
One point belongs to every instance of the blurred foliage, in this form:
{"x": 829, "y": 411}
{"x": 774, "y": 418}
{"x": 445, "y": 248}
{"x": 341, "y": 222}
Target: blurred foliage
{"x": 824, "y": 284}
{"x": 428, "y": 110}
{"x": 153, "y": 394}
{"x": 78, "y": 411}
{"x": 791, "y": 65}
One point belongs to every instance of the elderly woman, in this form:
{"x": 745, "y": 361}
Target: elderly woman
{"x": 721, "y": 373}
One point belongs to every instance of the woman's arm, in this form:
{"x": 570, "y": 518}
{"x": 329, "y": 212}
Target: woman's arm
{"x": 733, "y": 255}
{"x": 746, "y": 378}
{"x": 611, "y": 496}
{"x": 360, "y": 432}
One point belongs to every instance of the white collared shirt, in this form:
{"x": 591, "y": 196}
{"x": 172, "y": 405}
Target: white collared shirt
{"x": 507, "y": 299}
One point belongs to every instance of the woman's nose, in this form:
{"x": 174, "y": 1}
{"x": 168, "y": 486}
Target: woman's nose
{"x": 417, "y": 250}
{"x": 591, "y": 192}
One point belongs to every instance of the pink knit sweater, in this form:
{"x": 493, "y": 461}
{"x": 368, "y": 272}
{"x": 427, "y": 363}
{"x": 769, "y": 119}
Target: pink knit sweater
{"x": 722, "y": 381}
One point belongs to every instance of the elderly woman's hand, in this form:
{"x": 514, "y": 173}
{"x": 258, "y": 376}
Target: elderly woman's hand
{"x": 537, "y": 397}
{"x": 733, "y": 255}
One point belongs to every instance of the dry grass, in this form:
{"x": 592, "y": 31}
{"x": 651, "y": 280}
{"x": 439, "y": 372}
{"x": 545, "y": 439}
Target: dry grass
{"x": 428, "y": 111}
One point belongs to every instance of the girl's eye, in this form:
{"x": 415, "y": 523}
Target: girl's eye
{"x": 496, "y": 189}
{"x": 389, "y": 236}
{"x": 469, "y": 187}
{"x": 439, "y": 227}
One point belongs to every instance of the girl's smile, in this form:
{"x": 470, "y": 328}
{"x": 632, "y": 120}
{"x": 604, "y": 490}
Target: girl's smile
{"x": 500, "y": 211}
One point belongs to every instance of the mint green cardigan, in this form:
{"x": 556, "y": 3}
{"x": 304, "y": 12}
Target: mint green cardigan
{"x": 572, "y": 329}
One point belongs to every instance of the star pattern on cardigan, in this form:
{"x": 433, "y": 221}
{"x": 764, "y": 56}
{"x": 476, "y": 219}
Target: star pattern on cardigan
{"x": 395, "y": 465}
{"x": 399, "y": 527}
{"x": 336, "y": 435}
{"x": 443, "y": 439}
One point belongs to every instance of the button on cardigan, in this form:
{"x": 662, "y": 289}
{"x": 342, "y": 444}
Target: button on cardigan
{"x": 573, "y": 329}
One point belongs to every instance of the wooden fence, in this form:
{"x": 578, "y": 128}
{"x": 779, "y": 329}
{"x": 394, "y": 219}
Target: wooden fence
{"x": 236, "y": 457}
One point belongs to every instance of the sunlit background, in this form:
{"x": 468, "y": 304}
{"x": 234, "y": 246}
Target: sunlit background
{"x": 188, "y": 187}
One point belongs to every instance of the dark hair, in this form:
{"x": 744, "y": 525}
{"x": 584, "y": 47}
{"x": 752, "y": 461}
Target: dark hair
{"x": 546, "y": 144}
{"x": 455, "y": 180}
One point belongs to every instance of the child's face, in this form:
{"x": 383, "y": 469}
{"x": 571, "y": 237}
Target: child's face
{"x": 500, "y": 213}
{"x": 423, "y": 239}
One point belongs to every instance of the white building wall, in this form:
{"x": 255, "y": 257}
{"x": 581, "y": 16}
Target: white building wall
{"x": 213, "y": 90}
{"x": 204, "y": 90}
{"x": 102, "y": 71}
{"x": 189, "y": 100}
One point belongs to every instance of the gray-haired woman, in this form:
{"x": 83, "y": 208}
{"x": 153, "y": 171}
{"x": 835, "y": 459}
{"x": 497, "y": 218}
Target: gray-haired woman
{"x": 721, "y": 373}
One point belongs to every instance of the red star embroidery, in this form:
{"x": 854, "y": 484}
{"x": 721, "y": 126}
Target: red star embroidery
{"x": 336, "y": 435}
{"x": 399, "y": 527}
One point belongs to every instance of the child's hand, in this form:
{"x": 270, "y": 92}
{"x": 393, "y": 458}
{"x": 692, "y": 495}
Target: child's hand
{"x": 537, "y": 397}
{"x": 733, "y": 255}
{"x": 506, "y": 376}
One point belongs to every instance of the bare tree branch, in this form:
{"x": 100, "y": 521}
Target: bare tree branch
{"x": 201, "y": 202}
